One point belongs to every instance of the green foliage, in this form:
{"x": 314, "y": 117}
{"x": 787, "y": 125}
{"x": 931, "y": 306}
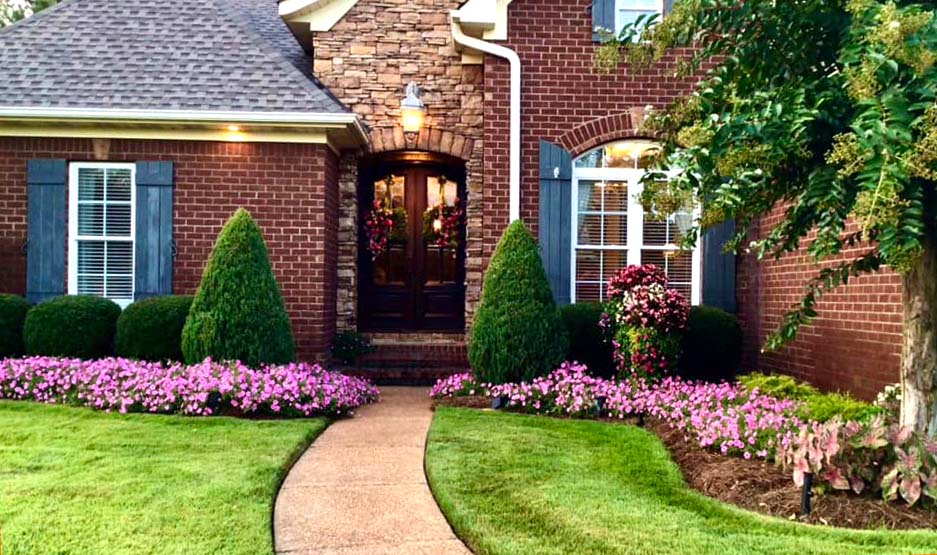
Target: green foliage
{"x": 151, "y": 329}
{"x": 349, "y": 345}
{"x": 587, "y": 342}
{"x": 71, "y": 326}
{"x": 517, "y": 334}
{"x": 238, "y": 312}
{"x": 13, "y": 309}
{"x": 10, "y": 13}
{"x": 822, "y": 407}
{"x": 835, "y": 118}
{"x": 712, "y": 345}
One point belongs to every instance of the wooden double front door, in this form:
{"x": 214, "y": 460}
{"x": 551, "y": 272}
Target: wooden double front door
{"x": 412, "y": 245}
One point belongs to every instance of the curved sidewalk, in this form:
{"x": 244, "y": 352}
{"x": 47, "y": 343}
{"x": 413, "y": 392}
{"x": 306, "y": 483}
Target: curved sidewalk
{"x": 360, "y": 488}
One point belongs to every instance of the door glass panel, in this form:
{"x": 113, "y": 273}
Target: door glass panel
{"x": 390, "y": 267}
{"x": 442, "y": 231}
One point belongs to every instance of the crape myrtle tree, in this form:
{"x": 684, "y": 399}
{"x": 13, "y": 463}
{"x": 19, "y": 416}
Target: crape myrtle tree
{"x": 12, "y": 11}
{"x": 828, "y": 110}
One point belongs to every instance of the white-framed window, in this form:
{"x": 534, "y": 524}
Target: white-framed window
{"x": 611, "y": 229}
{"x": 101, "y": 227}
{"x": 628, "y": 11}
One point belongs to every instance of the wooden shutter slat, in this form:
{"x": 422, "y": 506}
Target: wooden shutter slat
{"x": 154, "y": 233}
{"x": 47, "y": 209}
{"x": 555, "y": 214}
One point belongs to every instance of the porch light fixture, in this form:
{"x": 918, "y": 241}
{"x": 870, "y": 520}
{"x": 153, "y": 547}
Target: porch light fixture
{"x": 412, "y": 112}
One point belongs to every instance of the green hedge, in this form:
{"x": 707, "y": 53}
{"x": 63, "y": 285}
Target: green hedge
{"x": 238, "y": 312}
{"x": 587, "y": 343}
{"x": 152, "y": 329}
{"x": 712, "y": 345}
{"x": 816, "y": 404}
{"x": 13, "y": 309}
{"x": 71, "y": 326}
{"x": 517, "y": 333}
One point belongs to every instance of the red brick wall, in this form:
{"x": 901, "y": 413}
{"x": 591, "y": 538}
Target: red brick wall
{"x": 291, "y": 190}
{"x": 855, "y": 343}
{"x": 560, "y": 92}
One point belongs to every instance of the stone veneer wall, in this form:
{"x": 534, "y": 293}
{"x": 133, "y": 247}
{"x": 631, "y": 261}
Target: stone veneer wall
{"x": 366, "y": 60}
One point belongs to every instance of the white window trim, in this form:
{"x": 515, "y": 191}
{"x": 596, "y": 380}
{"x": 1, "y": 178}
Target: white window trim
{"x": 626, "y": 5}
{"x": 74, "y": 237}
{"x": 635, "y": 225}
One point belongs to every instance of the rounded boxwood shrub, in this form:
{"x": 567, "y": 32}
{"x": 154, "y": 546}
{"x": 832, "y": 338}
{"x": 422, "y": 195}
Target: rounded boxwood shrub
{"x": 71, "y": 326}
{"x": 712, "y": 345}
{"x": 151, "y": 329}
{"x": 517, "y": 333}
{"x": 587, "y": 342}
{"x": 13, "y": 309}
{"x": 238, "y": 311}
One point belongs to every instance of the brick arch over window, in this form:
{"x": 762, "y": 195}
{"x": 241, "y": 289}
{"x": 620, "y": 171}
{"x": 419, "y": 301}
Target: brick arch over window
{"x": 600, "y": 131}
{"x": 431, "y": 139}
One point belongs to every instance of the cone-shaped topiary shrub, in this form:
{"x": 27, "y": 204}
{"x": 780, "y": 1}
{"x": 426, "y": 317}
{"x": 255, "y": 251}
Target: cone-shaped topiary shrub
{"x": 238, "y": 311}
{"x": 151, "y": 329}
{"x": 78, "y": 326}
{"x": 517, "y": 334}
{"x": 13, "y": 309}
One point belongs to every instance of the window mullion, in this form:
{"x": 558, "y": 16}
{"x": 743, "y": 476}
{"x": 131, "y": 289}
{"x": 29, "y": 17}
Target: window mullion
{"x": 635, "y": 222}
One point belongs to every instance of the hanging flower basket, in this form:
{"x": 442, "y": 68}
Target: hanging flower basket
{"x": 385, "y": 225}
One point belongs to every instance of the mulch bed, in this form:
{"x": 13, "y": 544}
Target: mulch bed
{"x": 764, "y": 488}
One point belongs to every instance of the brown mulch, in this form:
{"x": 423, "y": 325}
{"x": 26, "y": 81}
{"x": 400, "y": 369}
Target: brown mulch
{"x": 764, "y": 488}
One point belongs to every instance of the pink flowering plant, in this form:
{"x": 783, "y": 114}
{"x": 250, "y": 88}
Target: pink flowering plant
{"x": 204, "y": 389}
{"x": 645, "y": 320}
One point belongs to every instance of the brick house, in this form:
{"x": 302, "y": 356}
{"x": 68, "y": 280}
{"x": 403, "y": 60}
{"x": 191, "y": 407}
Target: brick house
{"x": 130, "y": 131}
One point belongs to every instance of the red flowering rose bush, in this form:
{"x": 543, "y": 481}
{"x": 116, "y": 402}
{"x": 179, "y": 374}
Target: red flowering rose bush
{"x": 645, "y": 320}
{"x": 207, "y": 388}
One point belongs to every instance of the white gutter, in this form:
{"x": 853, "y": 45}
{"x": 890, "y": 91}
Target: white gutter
{"x": 515, "y": 134}
{"x": 312, "y": 119}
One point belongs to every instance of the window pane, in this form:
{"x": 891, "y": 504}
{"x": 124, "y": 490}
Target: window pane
{"x": 390, "y": 188}
{"x": 450, "y": 191}
{"x": 678, "y": 265}
{"x": 118, "y": 220}
{"x": 588, "y": 265}
{"x": 118, "y": 185}
{"x": 590, "y": 196}
{"x": 590, "y": 229}
{"x": 90, "y": 184}
{"x": 588, "y": 292}
{"x": 616, "y": 197}
{"x": 90, "y": 257}
{"x": 119, "y": 257}
{"x": 90, "y": 219}
{"x": 119, "y": 287}
{"x": 616, "y": 230}
{"x": 638, "y": 4}
{"x": 655, "y": 232}
{"x": 91, "y": 285}
{"x": 612, "y": 262}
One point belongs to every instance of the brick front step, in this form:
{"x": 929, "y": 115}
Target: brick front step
{"x": 416, "y": 351}
{"x": 415, "y": 376}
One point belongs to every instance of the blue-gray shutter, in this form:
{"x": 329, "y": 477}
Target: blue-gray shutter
{"x": 46, "y": 234}
{"x": 153, "y": 243}
{"x": 603, "y": 15}
{"x": 556, "y": 184}
{"x": 719, "y": 268}
{"x": 668, "y": 6}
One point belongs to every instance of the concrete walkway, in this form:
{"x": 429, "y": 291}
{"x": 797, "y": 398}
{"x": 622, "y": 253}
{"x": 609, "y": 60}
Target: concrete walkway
{"x": 360, "y": 488}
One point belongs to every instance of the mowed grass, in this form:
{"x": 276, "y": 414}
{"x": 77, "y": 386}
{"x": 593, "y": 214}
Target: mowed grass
{"x": 523, "y": 485}
{"x": 74, "y": 481}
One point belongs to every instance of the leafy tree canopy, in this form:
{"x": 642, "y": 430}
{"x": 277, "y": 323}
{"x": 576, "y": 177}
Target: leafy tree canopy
{"x": 12, "y": 11}
{"x": 827, "y": 108}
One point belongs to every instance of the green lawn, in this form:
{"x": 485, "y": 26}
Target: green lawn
{"x": 74, "y": 481}
{"x": 524, "y": 485}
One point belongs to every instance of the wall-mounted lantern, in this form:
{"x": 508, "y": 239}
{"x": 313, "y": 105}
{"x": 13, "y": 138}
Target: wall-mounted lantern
{"x": 412, "y": 112}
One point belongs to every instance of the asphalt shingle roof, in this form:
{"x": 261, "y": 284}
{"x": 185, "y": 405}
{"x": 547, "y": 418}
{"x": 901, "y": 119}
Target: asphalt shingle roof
{"x": 219, "y": 55}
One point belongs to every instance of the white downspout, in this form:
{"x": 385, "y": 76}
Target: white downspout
{"x": 515, "y": 134}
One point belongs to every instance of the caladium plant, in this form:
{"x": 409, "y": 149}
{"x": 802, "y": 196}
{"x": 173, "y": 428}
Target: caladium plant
{"x": 877, "y": 455}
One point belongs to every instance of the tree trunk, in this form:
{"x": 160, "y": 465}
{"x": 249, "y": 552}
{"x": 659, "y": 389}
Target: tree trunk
{"x": 919, "y": 352}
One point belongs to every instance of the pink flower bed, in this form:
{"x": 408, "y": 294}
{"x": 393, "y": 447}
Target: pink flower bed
{"x": 199, "y": 390}
{"x": 724, "y": 417}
